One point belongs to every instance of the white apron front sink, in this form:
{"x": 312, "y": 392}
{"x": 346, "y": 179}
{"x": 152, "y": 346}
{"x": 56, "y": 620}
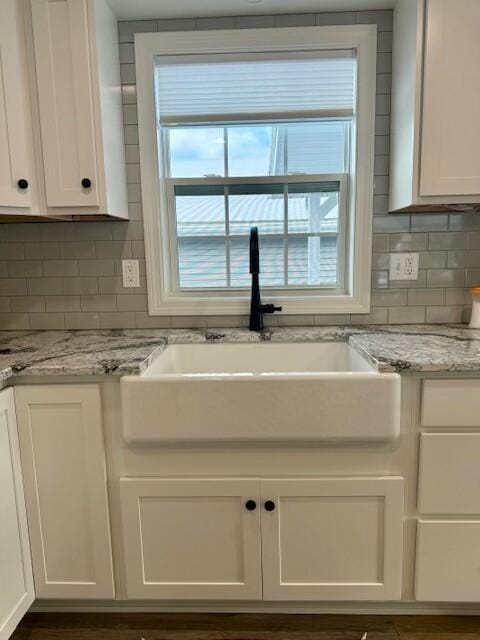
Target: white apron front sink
{"x": 261, "y": 393}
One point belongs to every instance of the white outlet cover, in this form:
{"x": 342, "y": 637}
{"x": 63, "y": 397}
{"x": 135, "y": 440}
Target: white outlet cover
{"x": 130, "y": 273}
{"x": 404, "y": 266}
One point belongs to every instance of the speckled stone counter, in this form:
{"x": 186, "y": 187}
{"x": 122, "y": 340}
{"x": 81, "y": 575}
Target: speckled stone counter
{"x": 401, "y": 348}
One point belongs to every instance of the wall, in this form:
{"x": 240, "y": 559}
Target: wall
{"x": 68, "y": 275}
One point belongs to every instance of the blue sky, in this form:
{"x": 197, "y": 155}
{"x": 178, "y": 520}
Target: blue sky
{"x": 196, "y": 151}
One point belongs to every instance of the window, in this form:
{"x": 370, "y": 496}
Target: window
{"x": 270, "y": 139}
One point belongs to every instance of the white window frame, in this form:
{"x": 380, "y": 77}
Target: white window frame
{"x": 163, "y": 297}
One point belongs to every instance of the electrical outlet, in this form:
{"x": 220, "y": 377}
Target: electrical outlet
{"x": 130, "y": 273}
{"x": 404, "y": 266}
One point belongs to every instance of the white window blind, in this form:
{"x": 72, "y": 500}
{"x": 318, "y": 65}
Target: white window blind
{"x": 223, "y": 88}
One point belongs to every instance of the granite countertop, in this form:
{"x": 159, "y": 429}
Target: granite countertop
{"x": 400, "y": 348}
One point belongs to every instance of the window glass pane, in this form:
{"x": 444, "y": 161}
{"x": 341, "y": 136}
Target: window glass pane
{"x": 256, "y": 205}
{"x": 202, "y": 262}
{"x": 255, "y": 150}
{"x": 239, "y": 262}
{"x": 196, "y": 152}
{"x": 312, "y": 261}
{"x": 313, "y": 207}
{"x": 200, "y": 211}
{"x": 316, "y": 147}
{"x": 272, "y": 260}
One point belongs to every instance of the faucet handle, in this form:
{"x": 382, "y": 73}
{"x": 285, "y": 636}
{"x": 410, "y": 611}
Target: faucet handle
{"x": 270, "y": 308}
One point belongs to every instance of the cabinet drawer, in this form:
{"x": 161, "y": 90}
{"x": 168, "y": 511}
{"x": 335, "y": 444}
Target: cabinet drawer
{"x": 448, "y": 561}
{"x": 449, "y": 403}
{"x": 449, "y": 477}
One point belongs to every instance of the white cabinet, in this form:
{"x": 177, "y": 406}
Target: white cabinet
{"x": 191, "y": 539}
{"x": 16, "y": 581}
{"x": 448, "y": 542}
{"x": 65, "y": 93}
{"x": 448, "y": 561}
{"x": 435, "y": 128}
{"x": 61, "y": 124}
{"x": 15, "y": 128}
{"x": 332, "y": 539}
{"x": 450, "y": 162}
{"x": 61, "y": 441}
{"x": 316, "y": 539}
{"x": 79, "y": 99}
{"x": 449, "y": 475}
{"x": 451, "y": 403}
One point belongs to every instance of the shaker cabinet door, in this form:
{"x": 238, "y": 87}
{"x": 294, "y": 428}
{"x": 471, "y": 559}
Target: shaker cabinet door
{"x": 332, "y": 538}
{"x": 450, "y": 134}
{"x": 61, "y": 440}
{"x": 15, "y": 132}
{"x": 16, "y": 580}
{"x": 191, "y": 539}
{"x": 64, "y": 67}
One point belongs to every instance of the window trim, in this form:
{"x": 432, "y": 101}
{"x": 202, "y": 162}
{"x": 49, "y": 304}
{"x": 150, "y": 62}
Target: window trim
{"x": 162, "y": 298}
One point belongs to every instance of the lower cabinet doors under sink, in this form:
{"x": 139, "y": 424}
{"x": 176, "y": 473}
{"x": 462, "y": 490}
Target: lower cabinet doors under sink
{"x": 272, "y": 539}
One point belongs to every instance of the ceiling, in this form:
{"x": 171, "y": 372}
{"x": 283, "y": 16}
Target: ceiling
{"x": 158, "y": 9}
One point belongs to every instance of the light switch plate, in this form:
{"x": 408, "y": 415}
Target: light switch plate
{"x": 130, "y": 273}
{"x": 404, "y": 266}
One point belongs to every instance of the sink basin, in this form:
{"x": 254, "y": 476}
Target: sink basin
{"x": 257, "y": 359}
{"x": 268, "y": 392}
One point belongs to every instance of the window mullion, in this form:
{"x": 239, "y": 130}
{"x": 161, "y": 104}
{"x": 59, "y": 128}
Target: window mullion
{"x": 225, "y": 151}
{"x": 227, "y": 234}
{"x": 285, "y": 234}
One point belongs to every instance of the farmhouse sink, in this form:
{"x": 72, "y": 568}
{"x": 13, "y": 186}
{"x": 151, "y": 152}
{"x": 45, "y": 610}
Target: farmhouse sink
{"x": 261, "y": 393}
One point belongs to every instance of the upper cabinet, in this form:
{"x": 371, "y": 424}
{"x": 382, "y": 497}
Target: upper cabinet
{"x": 435, "y": 129}
{"x": 75, "y": 131}
{"x": 15, "y": 129}
{"x": 65, "y": 96}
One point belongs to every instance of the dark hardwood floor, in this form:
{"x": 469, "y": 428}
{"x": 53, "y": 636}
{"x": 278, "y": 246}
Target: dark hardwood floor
{"x": 196, "y": 626}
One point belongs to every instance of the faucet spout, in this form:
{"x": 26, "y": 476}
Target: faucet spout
{"x": 257, "y": 309}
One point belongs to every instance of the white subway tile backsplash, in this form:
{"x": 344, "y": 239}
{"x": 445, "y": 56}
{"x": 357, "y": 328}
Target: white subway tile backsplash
{"x": 417, "y": 297}
{"x": 406, "y": 315}
{"x": 439, "y": 315}
{"x": 62, "y": 303}
{"x": 448, "y": 240}
{"x": 28, "y": 304}
{"x": 446, "y": 278}
{"x": 408, "y": 242}
{"x": 47, "y": 321}
{"x": 295, "y": 20}
{"x": 254, "y": 22}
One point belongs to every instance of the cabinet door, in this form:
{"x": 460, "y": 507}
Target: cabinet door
{"x": 332, "y": 539}
{"x": 191, "y": 538}
{"x": 448, "y": 561}
{"x": 16, "y": 592}
{"x": 63, "y": 457}
{"x": 14, "y": 132}
{"x": 450, "y": 135}
{"x": 65, "y": 93}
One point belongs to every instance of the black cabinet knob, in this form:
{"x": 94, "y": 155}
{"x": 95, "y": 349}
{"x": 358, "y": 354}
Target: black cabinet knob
{"x": 269, "y": 505}
{"x": 22, "y": 183}
{"x": 250, "y": 505}
{"x": 86, "y": 183}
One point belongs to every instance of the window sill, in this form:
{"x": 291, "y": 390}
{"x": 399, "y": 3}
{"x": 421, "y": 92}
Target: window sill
{"x": 166, "y": 305}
